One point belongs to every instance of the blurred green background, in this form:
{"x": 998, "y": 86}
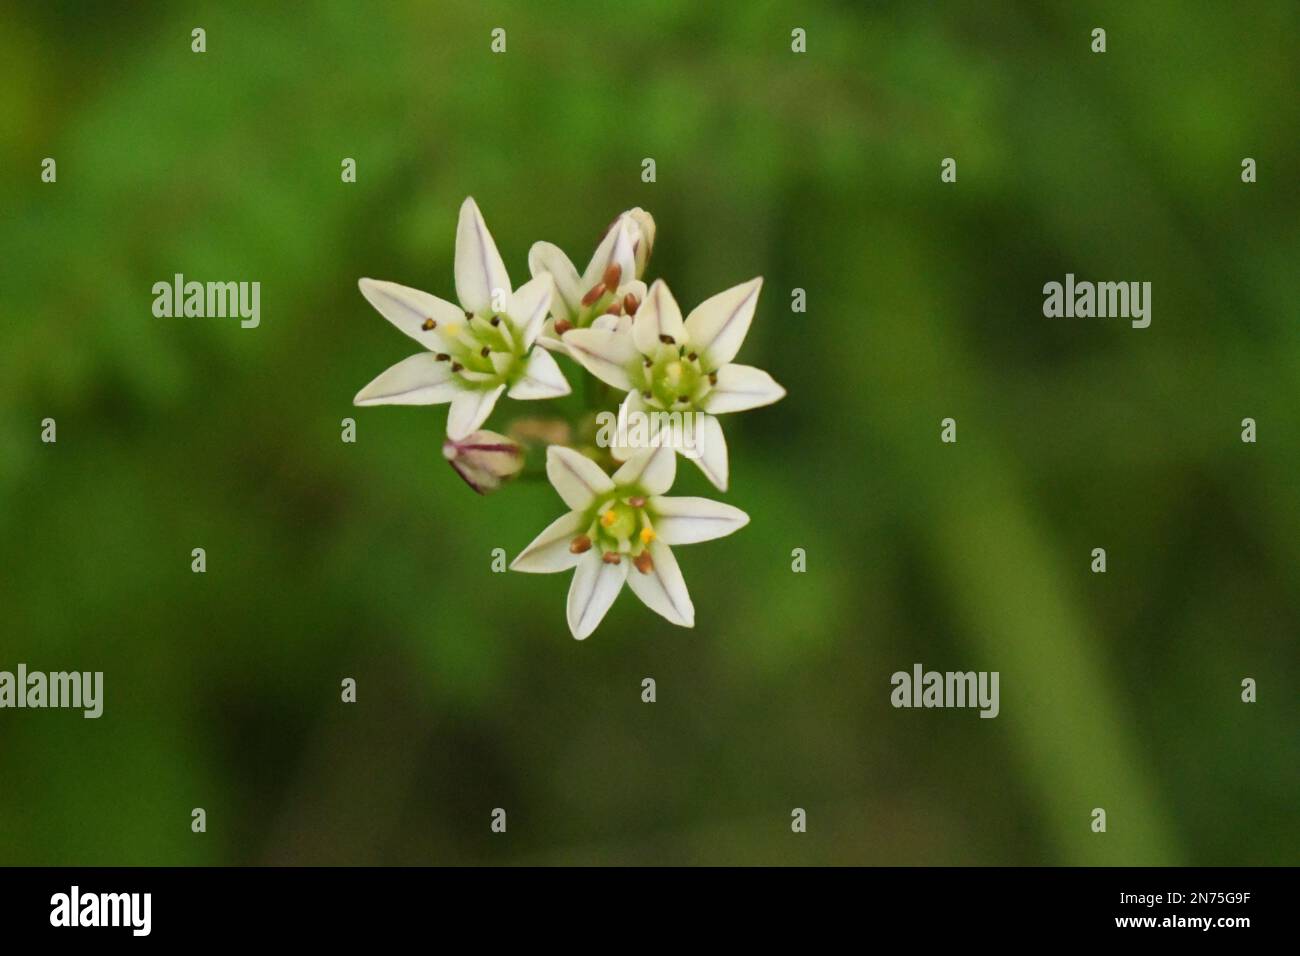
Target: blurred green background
{"x": 819, "y": 171}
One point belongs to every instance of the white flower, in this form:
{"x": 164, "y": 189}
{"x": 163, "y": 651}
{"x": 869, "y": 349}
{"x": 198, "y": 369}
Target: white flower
{"x": 620, "y": 529}
{"x": 666, "y": 364}
{"x": 610, "y": 285}
{"x": 475, "y": 352}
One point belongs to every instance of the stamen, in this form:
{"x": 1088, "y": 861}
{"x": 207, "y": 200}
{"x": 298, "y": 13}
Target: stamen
{"x": 667, "y": 340}
{"x": 613, "y": 272}
{"x": 649, "y": 363}
{"x": 495, "y": 320}
{"x": 441, "y": 357}
{"x": 636, "y": 501}
{"x": 580, "y": 544}
{"x": 713, "y": 378}
{"x": 429, "y": 325}
{"x": 615, "y": 309}
{"x": 630, "y": 304}
{"x": 683, "y": 398}
{"x": 562, "y": 326}
{"x": 648, "y": 535}
{"x": 485, "y": 351}
{"x": 692, "y": 357}
{"x": 611, "y": 557}
{"x": 594, "y": 293}
{"x": 644, "y": 563}
{"x": 469, "y": 314}
{"x": 647, "y": 396}
{"x": 608, "y": 518}
{"x": 456, "y": 366}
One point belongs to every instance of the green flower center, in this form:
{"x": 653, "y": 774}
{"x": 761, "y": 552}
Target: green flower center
{"x": 674, "y": 380}
{"x": 483, "y": 350}
{"x": 621, "y": 525}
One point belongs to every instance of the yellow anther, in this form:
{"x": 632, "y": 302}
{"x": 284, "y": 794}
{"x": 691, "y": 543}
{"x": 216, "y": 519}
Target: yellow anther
{"x": 647, "y": 535}
{"x": 608, "y": 518}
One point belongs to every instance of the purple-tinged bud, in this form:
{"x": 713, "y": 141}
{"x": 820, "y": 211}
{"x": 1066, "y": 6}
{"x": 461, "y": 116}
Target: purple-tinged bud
{"x": 485, "y": 459}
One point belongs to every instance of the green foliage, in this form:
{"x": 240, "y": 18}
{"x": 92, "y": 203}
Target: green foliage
{"x": 818, "y": 171}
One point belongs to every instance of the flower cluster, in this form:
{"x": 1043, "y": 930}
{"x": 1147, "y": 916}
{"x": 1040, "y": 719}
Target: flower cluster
{"x": 498, "y": 340}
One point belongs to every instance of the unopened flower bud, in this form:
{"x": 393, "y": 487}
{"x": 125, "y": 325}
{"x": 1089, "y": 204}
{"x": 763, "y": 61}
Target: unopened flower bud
{"x": 484, "y": 459}
{"x": 645, "y": 239}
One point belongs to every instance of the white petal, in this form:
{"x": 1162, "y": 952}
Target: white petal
{"x": 542, "y": 378}
{"x": 528, "y": 307}
{"x": 633, "y": 405}
{"x": 470, "y": 409}
{"x": 479, "y": 269}
{"x": 549, "y": 551}
{"x": 741, "y": 387}
{"x": 651, "y": 470}
{"x": 711, "y": 446}
{"x": 689, "y": 520}
{"x": 617, "y": 248}
{"x": 546, "y": 257}
{"x": 550, "y": 341}
{"x": 605, "y": 353}
{"x": 418, "y": 380}
{"x": 577, "y": 478}
{"x": 658, "y": 315}
{"x": 595, "y": 585}
{"x": 662, "y": 589}
{"x": 408, "y": 309}
{"x": 717, "y": 326}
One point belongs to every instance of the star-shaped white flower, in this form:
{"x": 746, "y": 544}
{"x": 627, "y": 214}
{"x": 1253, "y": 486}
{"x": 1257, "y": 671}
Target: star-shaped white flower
{"x": 620, "y": 529}
{"x": 611, "y": 284}
{"x": 669, "y": 365}
{"x": 475, "y": 352}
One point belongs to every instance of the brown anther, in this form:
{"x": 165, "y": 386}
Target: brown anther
{"x": 495, "y": 320}
{"x": 594, "y": 293}
{"x": 456, "y": 366}
{"x": 429, "y": 325}
{"x": 636, "y": 501}
{"x": 647, "y": 396}
{"x": 469, "y": 314}
{"x": 692, "y": 357}
{"x": 713, "y": 378}
{"x": 562, "y": 326}
{"x": 667, "y": 340}
{"x": 630, "y": 304}
{"x": 611, "y": 557}
{"x": 442, "y": 356}
{"x": 683, "y": 398}
{"x": 643, "y": 562}
{"x": 649, "y": 363}
{"x": 485, "y": 351}
{"x": 613, "y": 272}
{"x": 615, "y": 309}
{"x": 580, "y": 544}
